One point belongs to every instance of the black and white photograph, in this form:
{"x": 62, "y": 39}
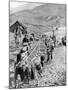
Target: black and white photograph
{"x": 37, "y": 44}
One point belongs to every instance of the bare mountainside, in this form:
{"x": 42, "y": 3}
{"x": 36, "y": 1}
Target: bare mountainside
{"x": 45, "y": 15}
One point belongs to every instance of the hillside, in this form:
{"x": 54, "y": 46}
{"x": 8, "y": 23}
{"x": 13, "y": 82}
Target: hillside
{"x": 46, "y": 14}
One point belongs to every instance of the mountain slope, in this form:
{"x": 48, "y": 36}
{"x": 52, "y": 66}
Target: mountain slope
{"x": 45, "y": 15}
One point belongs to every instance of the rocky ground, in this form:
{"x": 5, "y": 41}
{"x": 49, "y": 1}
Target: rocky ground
{"x": 54, "y": 73}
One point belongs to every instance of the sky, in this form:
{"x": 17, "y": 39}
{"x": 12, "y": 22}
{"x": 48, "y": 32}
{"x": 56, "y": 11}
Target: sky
{"x": 18, "y": 6}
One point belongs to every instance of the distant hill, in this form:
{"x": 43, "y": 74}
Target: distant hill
{"x": 45, "y": 15}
